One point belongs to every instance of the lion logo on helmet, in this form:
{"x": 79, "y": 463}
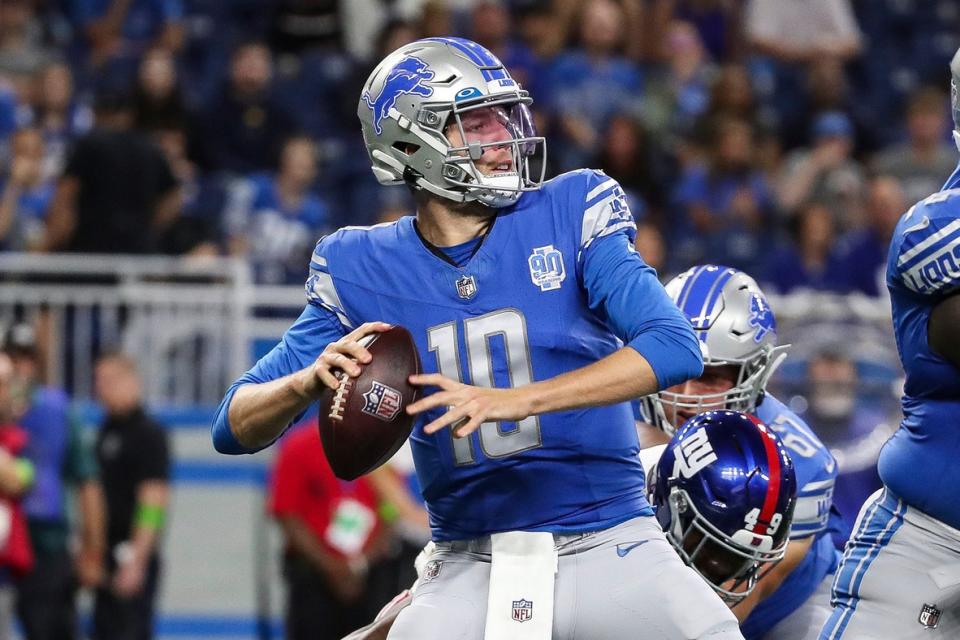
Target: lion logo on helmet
{"x": 761, "y": 317}
{"x": 407, "y": 77}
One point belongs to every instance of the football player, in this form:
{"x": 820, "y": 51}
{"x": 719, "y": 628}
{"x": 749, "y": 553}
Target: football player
{"x": 733, "y": 320}
{"x": 900, "y": 575}
{"x": 536, "y": 321}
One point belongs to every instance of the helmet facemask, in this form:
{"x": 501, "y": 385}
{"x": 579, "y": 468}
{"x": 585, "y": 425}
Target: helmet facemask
{"x": 475, "y": 121}
{"x": 731, "y": 569}
{"x": 752, "y": 376}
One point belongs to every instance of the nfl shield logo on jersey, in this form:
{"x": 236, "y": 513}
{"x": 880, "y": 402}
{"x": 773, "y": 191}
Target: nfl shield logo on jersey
{"x": 546, "y": 268}
{"x": 522, "y": 610}
{"x": 466, "y": 287}
{"x": 382, "y": 402}
{"x": 431, "y": 570}
{"x": 929, "y": 616}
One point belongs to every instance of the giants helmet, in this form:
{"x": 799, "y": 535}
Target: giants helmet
{"x": 422, "y": 88}
{"x": 735, "y": 325}
{"x": 724, "y": 490}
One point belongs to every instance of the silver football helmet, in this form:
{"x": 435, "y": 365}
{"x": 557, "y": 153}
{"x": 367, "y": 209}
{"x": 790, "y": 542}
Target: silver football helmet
{"x": 422, "y": 89}
{"x": 735, "y": 325}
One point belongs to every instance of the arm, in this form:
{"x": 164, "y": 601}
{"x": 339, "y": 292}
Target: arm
{"x": 392, "y": 491}
{"x": 8, "y": 203}
{"x": 153, "y": 496}
{"x": 257, "y": 409}
{"x": 772, "y": 579}
{"x": 16, "y": 475}
{"x": 63, "y": 215}
{"x": 80, "y": 471}
{"x": 89, "y": 560}
{"x": 942, "y": 329}
{"x": 344, "y": 578}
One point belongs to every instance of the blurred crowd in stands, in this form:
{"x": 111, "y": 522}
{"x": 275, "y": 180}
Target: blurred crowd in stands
{"x": 782, "y": 137}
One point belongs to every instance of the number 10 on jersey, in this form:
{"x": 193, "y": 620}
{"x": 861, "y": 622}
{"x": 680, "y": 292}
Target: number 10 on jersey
{"x": 511, "y": 327}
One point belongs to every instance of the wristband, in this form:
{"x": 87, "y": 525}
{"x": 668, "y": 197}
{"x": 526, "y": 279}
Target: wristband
{"x": 388, "y": 512}
{"x": 25, "y": 471}
{"x": 150, "y": 516}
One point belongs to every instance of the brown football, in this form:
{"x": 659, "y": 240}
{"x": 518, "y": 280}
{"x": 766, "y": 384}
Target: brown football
{"x": 364, "y": 422}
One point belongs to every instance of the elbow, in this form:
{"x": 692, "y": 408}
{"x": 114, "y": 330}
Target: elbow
{"x": 225, "y": 439}
{"x": 687, "y": 364}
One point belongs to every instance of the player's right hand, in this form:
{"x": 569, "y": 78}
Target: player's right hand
{"x": 346, "y": 354}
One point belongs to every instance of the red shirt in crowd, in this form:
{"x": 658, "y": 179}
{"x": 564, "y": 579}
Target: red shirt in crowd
{"x": 342, "y": 514}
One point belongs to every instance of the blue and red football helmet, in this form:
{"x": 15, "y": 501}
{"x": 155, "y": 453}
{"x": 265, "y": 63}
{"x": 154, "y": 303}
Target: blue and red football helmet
{"x": 724, "y": 490}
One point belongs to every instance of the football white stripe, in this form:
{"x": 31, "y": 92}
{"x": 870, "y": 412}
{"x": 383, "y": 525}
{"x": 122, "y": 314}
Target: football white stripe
{"x": 933, "y": 239}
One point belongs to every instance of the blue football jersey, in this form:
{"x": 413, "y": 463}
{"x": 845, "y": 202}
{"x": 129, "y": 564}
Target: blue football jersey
{"x": 816, "y": 472}
{"x": 555, "y": 286}
{"x": 919, "y": 463}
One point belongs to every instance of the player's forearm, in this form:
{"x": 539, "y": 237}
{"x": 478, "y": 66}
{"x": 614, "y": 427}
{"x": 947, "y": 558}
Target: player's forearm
{"x": 153, "y": 496}
{"x": 259, "y": 413}
{"x": 621, "y": 376}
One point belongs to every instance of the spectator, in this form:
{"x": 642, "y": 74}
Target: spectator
{"x": 717, "y": 21}
{"x": 826, "y": 172}
{"x": 157, "y": 98}
{"x": 134, "y": 459}
{"x": 723, "y": 207}
{"x": 57, "y": 112}
{"x": 196, "y": 231}
{"x": 491, "y": 26}
{"x": 275, "y": 220}
{"x": 651, "y": 247}
{"x": 731, "y": 96}
{"x": 926, "y": 159}
{"x": 852, "y": 427}
{"x": 333, "y": 537}
{"x": 798, "y": 31}
{"x": 117, "y": 194}
{"x": 25, "y": 196}
{"x": 590, "y": 84}
{"x": 64, "y": 460}
{"x": 642, "y": 167}
{"x": 862, "y": 259}
{"x": 16, "y": 478}
{"x": 118, "y": 32}
{"x": 809, "y": 261}
{"x": 22, "y": 52}
{"x": 674, "y": 101}
{"x": 243, "y": 130}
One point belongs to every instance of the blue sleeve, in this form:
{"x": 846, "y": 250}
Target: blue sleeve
{"x": 925, "y": 257}
{"x": 626, "y": 293}
{"x": 301, "y": 345}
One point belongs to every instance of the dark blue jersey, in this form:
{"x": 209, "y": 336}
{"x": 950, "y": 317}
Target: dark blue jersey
{"x": 556, "y": 285}
{"x": 919, "y": 463}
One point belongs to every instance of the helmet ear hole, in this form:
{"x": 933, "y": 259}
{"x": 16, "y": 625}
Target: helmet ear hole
{"x": 406, "y": 148}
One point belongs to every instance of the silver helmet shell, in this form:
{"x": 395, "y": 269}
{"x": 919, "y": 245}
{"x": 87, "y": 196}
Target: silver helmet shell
{"x": 955, "y": 96}
{"x": 735, "y": 325}
{"x": 419, "y": 90}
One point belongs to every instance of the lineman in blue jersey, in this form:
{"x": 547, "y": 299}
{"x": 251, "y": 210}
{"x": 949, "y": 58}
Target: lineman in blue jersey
{"x": 733, "y": 320}
{"x": 900, "y": 575}
{"x": 535, "y": 322}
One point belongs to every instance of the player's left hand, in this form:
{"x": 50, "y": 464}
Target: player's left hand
{"x": 469, "y": 406}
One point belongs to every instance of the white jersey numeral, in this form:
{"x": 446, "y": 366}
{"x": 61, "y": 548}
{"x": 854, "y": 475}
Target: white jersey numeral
{"x": 694, "y": 454}
{"x": 510, "y": 326}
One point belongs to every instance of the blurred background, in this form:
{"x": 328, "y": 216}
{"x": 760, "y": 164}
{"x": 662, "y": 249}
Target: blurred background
{"x": 166, "y": 167}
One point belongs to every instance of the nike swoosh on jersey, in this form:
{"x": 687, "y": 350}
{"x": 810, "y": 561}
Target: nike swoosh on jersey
{"x": 625, "y": 548}
{"x": 923, "y": 224}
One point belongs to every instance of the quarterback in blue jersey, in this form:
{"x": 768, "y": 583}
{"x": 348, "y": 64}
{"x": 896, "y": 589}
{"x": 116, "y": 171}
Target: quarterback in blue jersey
{"x": 738, "y": 330}
{"x": 900, "y": 575}
{"x": 536, "y": 321}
